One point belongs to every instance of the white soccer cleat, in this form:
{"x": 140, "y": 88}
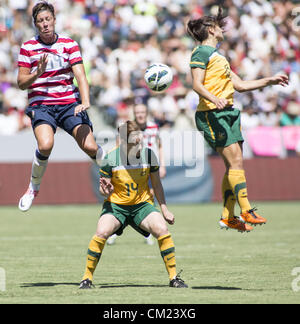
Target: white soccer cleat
{"x": 27, "y": 199}
{"x": 111, "y": 240}
{"x": 149, "y": 240}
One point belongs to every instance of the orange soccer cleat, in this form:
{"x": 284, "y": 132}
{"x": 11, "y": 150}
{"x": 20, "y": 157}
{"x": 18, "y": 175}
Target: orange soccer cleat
{"x": 251, "y": 217}
{"x": 235, "y": 223}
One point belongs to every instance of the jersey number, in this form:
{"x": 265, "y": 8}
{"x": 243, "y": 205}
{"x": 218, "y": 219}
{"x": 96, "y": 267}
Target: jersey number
{"x": 131, "y": 187}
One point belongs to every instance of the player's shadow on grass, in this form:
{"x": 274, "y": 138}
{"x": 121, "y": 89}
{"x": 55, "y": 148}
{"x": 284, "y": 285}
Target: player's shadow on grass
{"x": 216, "y": 288}
{"x": 108, "y": 285}
{"x": 130, "y": 286}
{"x": 48, "y": 284}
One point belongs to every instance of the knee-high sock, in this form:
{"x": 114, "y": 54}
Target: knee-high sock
{"x": 237, "y": 181}
{"x": 94, "y": 252}
{"x": 99, "y": 156}
{"x": 38, "y": 169}
{"x": 167, "y": 251}
{"x": 228, "y": 199}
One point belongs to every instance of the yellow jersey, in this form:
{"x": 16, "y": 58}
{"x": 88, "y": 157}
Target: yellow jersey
{"x": 130, "y": 181}
{"x": 217, "y": 75}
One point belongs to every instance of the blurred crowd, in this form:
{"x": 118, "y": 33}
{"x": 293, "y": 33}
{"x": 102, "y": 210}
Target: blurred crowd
{"x": 120, "y": 38}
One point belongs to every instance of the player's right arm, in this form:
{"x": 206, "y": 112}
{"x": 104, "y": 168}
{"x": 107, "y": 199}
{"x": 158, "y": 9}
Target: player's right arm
{"x": 198, "y": 76}
{"x": 160, "y": 196}
{"x": 26, "y": 79}
{"x": 106, "y": 188}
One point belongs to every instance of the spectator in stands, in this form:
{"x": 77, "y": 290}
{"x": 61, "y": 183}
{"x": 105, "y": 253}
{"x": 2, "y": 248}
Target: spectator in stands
{"x": 291, "y": 117}
{"x": 141, "y": 32}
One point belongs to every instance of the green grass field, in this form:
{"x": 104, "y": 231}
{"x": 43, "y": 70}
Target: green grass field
{"x": 43, "y": 254}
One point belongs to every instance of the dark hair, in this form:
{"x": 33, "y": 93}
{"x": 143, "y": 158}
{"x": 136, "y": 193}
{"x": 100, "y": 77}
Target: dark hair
{"x": 42, "y": 6}
{"x": 127, "y": 128}
{"x": 198, "y": 28}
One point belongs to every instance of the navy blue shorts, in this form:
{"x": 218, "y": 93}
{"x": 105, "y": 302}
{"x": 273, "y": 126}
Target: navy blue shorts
{"x": 57, "y": 116}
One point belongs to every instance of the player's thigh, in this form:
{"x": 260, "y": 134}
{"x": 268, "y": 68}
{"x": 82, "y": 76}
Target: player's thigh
{"x": 155, "y": 224}
{"x": 44, "y": 135}
{"x": 85, "y": 139}
{"x": 107, "y": 225}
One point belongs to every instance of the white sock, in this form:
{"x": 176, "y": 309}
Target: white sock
{"x": 38, "y": 169}
{"x": 99, "y": 156}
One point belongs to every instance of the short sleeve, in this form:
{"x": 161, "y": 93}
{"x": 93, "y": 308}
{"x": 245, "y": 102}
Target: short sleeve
{"x": 75, "y": 55}
{"x": 105, "y": 168}
{"x": 24, "y": 58}
{"x": 200, "y": 57}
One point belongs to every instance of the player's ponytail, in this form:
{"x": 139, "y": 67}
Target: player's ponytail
{"x": 198, "y": 28}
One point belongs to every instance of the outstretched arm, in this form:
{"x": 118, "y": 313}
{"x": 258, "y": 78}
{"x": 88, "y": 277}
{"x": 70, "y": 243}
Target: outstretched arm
{"x": 242, "y": 86}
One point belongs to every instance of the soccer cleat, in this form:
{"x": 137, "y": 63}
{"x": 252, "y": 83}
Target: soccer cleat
{"x": 86, "y": 284}
{"x": 235, "y": 223}
{"x": 27, "y": 199}
{"x": 251, "y": 217}
{"x": 149, "y": 240}
{"x": 112, "y": 239}
{"x": 177, "y": 282}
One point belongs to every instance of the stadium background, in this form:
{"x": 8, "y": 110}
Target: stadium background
{"x": 118, "y": 40}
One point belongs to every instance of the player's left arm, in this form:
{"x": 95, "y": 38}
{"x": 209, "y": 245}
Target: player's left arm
{"x": 160, "y": 196}
{"x": 242, "y": 86}
{"x": 79, "y": 73}
{"x": 162, "y": 168}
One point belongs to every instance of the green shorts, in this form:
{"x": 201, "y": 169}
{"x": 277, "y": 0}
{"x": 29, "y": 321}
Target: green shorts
{"x": 221, "y": 128}
{"x": 131, "y": 215}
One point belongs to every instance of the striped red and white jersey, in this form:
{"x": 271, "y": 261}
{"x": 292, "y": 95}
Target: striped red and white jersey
{"x": 151, "y": 134}
{"x": 55, "y": 86}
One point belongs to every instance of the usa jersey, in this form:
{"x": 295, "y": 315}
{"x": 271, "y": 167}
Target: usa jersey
{"x": 55, "y": 86}
{"x": 151, "y": 133}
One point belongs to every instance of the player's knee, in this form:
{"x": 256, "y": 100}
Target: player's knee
{"x": 160, "y": 230}
{"x": 45, "y": 146}
{"x": 91, "y": 149}
{"x": 103, "y": 233}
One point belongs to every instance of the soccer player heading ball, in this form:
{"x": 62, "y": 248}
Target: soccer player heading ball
{"x": 217, "y": 118}
{"x": 125, "y": 174}
{"x": 47, "y": 66}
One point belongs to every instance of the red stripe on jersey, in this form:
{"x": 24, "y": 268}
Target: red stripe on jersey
{"x": 51, "y": 95}
{"x": 31, "y": 42}
{"x": 72, "y": 49}
{"x": 76, "y": 60}
{"x": 23, "y": 64}
{"x": 56, "y": 72}
{"x": 65, "y": 40}
{"x": 151, "y": 127}
{"x": 51, "y": 84}
{"x": 24, "y": 52}
{"x": 53, "y": 102}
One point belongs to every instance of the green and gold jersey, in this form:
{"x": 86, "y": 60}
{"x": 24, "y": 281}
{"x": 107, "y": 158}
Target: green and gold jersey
{"x": 217, "y": 77}
{"x": 130, "y": 181}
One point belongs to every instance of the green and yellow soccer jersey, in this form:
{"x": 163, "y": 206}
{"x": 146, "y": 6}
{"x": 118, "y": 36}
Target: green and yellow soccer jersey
{"x": 130, "y": 181}
{"x": 217, "y": 77}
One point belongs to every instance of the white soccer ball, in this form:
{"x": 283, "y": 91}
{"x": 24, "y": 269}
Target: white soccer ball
{"x": 158, "y": 77}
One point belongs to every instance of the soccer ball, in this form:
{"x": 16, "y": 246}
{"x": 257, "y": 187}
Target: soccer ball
{"x": 158, "y": 77}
